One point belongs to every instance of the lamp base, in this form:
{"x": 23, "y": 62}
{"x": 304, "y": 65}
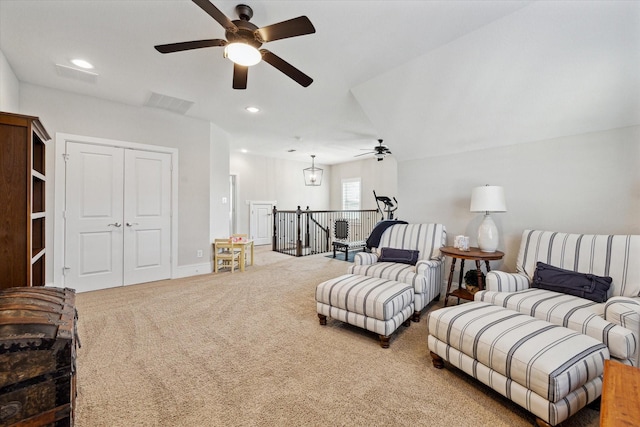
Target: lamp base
{"x": 488, "y": 235}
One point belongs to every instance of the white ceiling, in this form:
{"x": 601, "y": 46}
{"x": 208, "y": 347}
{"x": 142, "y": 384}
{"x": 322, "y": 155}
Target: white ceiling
{"x": 429, "y": 77}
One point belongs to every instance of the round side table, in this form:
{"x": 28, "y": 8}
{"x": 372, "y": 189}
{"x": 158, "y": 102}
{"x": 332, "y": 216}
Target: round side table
{"x": 474, "y": 254}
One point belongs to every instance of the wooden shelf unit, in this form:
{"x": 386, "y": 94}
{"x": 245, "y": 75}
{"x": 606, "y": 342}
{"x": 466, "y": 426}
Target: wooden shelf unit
{"x": 22, "y": 200}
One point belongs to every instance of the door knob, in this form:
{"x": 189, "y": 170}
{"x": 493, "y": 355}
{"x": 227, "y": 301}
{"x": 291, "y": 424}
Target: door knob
{"x": 131, "y": 224}
{"x": 115, "y": 224}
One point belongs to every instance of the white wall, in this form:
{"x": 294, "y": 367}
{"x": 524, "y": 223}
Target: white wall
{"x": 379, "y": 176}
{"x": 81, "y": 115}
{"x": 219, "y": 173}
{"x": 576, "y": 72}
{"x": 9, "y": 87}
{"x": 581, "y": 184}
{"x": 267, "y": 179}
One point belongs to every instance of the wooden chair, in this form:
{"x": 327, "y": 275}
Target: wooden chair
{"x": 226, "y": 254}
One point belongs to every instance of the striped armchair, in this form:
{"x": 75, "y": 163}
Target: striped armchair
{"x": 425, "y": 276}
{"x": 615, "y": 322}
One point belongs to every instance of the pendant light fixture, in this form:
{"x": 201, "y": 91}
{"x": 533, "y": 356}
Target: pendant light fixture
{"x": 312, "y": 175}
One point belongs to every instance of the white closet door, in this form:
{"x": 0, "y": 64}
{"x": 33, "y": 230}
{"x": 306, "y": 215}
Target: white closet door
{"x": 147, "y": 216}
{"x": 94, "y": 217}
{"x": 117, "y": 216}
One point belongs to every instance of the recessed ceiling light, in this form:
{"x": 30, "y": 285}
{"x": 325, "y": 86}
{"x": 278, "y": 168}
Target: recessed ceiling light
{"x": 244, "y": 150}
{"x": 82, "y": 63}
{"x": 252, "y": 109}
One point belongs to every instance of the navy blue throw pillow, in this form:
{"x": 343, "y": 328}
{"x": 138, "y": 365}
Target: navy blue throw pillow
{"x": 404, "y": 256}
{"x": 582, "y": 285}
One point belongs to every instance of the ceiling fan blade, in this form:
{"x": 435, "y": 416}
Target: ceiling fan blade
{"x": 299, "y": 26}
{"x": 364, "y": 154}
{"x": 240, "y": 74}
{"x": 286, "y": 68}
{"x": 196, "y": 44}
{"x": 216, "y": 14}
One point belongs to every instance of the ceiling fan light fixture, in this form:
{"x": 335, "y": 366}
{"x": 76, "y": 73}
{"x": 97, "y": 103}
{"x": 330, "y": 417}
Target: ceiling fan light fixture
{"x": 82, "y": 63}
{"x": 243, "y": 39}
{"x": 242, "y": 54}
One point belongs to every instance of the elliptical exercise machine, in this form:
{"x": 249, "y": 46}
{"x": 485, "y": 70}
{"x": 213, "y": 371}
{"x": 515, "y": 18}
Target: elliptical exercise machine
{"x": 389, "y": 207}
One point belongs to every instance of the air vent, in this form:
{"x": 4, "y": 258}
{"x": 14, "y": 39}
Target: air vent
{"x": 74, "y": 73}
{"x": 165, "y": 102}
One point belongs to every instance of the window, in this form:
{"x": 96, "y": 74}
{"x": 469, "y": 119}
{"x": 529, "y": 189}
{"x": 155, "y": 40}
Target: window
{"x": 351, "y": 194}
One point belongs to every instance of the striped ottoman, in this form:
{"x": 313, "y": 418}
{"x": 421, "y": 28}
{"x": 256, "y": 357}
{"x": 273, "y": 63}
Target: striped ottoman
{"x": 377, "y": 305}
{"x": 549, "y": 370}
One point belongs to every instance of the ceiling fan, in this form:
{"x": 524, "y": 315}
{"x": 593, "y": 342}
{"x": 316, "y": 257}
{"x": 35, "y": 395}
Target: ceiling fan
{"x": 379, "y": 150}
{"x": 243, "y": 40}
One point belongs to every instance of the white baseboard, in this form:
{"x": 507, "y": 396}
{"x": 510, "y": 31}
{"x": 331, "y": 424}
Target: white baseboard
{"x": 181, "y": 271}
{"x": 192, "y": 270}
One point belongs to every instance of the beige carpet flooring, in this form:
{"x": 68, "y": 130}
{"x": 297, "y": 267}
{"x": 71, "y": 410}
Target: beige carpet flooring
{"x": 246, "y": 349}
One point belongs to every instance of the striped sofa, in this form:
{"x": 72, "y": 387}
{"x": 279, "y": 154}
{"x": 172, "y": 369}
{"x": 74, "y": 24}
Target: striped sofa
{"x": 425, "y": 277}
{"x": 615, "y": 322}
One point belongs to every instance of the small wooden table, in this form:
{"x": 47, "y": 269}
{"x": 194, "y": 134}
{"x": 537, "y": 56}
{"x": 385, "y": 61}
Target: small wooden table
{"x": 620, "y": 406}
{"x": 231, "y": 245}
{"x": 474, "y": 254}
{"x": 244, "y": 244}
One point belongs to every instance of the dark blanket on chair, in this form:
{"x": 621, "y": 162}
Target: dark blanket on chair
{"x": 374, "y": 239}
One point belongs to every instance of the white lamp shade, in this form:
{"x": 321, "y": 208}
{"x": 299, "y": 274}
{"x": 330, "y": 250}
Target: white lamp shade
{"x": 242, "y": 54}
{"x": 489, "y": 198}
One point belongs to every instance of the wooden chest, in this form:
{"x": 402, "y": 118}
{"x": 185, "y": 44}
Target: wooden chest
{"x": 38, "y": 342}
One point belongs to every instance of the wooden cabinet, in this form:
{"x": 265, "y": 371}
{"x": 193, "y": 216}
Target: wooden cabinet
{"x": 22, "y": 200}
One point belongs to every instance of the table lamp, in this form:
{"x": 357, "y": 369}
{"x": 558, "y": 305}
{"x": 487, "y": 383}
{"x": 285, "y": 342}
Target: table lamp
{"x": 489, "y": 198}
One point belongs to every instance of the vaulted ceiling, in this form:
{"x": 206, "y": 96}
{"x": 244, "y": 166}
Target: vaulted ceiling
{"x": 429, "y": 77}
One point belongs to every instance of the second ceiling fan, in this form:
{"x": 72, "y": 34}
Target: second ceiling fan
{"x": 380, "y": 151}
{"x": 243, "y": 40}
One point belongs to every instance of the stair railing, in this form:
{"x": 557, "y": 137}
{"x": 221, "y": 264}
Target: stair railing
{"x": 308, "y": 232}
